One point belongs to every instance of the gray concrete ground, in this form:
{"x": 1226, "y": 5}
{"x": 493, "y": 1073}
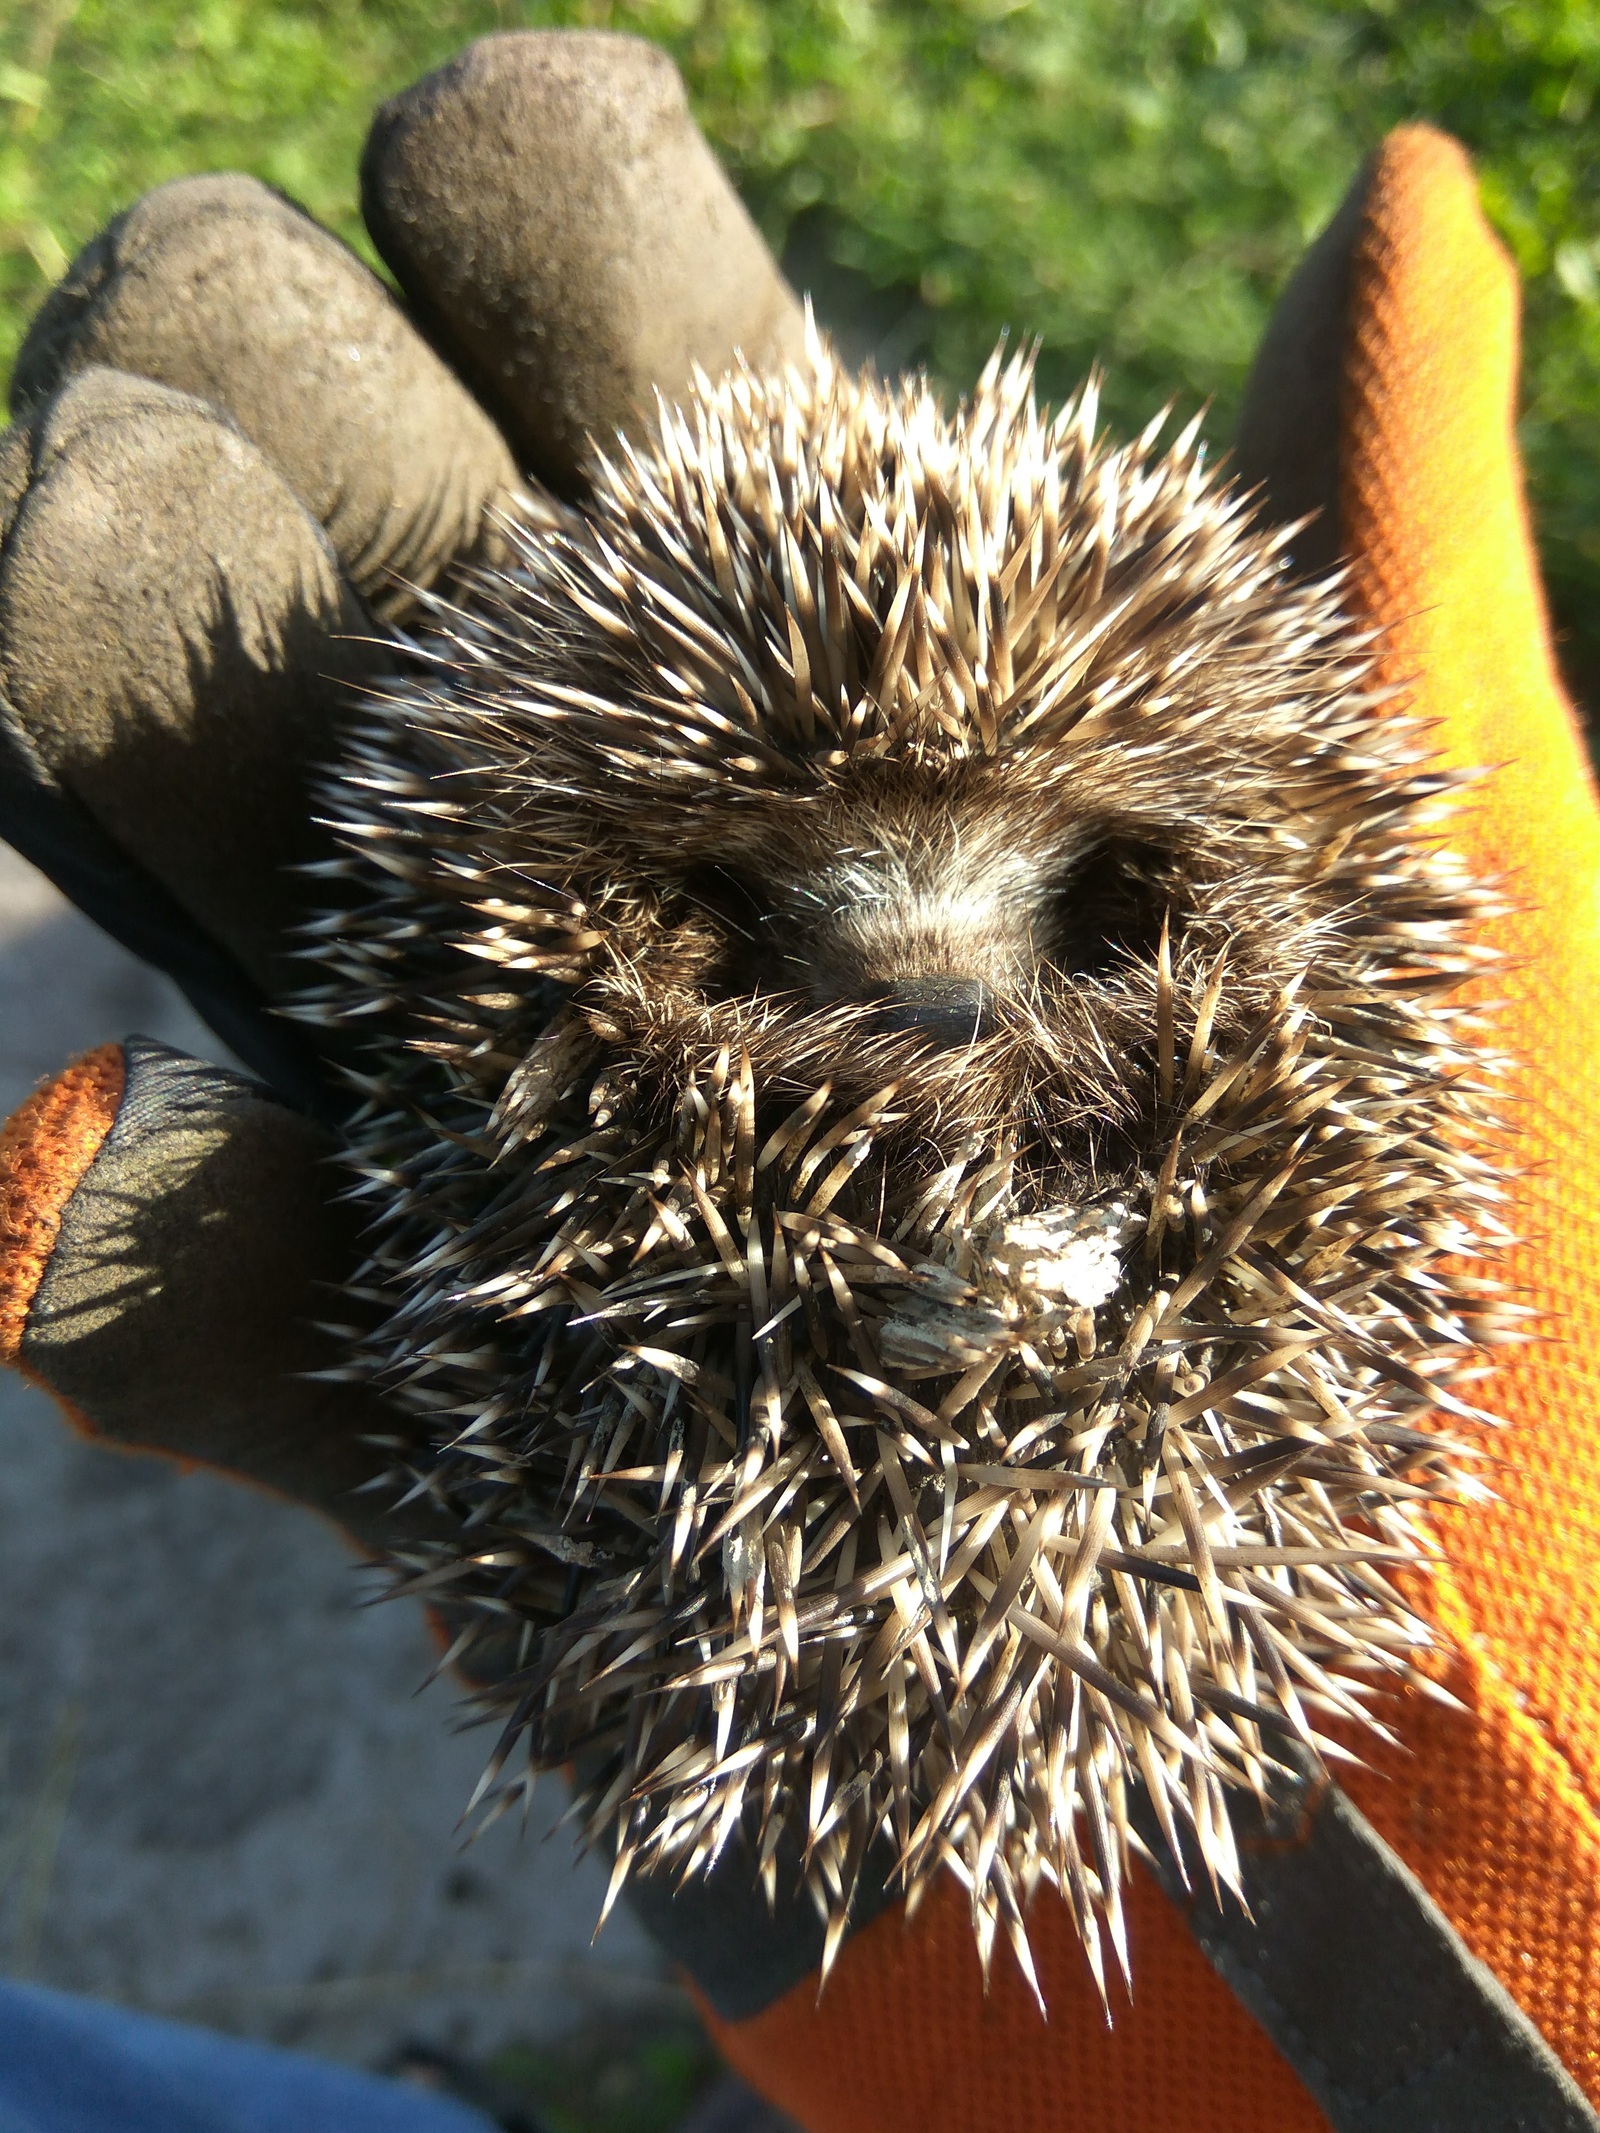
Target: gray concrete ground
{"x": 220, "y": 1795}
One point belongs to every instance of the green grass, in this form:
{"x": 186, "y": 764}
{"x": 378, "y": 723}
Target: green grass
{"x": 1130, "y": 180}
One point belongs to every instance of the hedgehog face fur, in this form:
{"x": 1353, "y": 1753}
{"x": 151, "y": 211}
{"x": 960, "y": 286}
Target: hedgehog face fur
{"x": 922, "y": 1148}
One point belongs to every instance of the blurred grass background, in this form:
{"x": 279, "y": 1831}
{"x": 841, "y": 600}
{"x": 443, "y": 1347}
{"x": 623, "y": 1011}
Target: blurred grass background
{"x": 1131, "y": 180}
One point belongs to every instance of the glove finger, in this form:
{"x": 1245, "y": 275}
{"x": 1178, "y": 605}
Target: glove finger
{"x": 219, "y": 287}
{"x": 1288, "y": 442}
{"x": 566, "y": 236}
{"x": 168, "y": 1240}
{"x": 174, "y": 641}
{"x": 1432, "y": 502}
{"x": 1415, "y": 438}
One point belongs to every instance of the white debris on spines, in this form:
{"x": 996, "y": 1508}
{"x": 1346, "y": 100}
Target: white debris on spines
{"x": 1064, "y": 1252}
{"x": 855, "y": 1435}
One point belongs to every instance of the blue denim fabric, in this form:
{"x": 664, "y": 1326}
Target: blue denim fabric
{"x": 79, "y": 2066}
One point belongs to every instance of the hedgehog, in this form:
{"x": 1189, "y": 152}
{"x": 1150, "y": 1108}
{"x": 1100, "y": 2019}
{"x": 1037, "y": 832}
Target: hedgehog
{"x": 925, "y": 1134}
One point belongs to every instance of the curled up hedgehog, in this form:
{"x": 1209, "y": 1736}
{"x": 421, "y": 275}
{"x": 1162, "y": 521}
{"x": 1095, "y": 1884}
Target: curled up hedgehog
{"x": 925, "y": 1144}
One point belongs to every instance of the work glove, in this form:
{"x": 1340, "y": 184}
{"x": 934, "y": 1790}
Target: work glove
{"x": 233, "y": 453}
{"x": 1383, "y": 400}
{"x": 233, "y": 456}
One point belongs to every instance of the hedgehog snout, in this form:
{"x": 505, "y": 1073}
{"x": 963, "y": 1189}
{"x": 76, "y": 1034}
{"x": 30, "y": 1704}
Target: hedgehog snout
{"x": 951, "y": 1011}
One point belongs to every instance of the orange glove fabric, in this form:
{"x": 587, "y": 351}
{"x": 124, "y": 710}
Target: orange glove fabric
{"x": 1496, "y": 1810}
{"x": 46, "y": 1146}
{"x": 1495, "y": 1807}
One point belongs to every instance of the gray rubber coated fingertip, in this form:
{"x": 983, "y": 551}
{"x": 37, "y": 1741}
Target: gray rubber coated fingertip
{"x": 174, "y": 636}
{"x": 219, "y": 287}
{"x": 178, "y": 1310}
{"x": 565, "y": 234}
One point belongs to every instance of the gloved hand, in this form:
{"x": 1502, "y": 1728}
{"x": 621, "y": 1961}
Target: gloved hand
{"x": 232, "y": 448}
{"x": 1383, "y": 398}
{"x": 172, "y": 630}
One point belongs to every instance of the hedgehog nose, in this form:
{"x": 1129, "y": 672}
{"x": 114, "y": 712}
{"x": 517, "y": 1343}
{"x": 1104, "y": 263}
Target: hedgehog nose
{"x": 950, "y": 1011}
